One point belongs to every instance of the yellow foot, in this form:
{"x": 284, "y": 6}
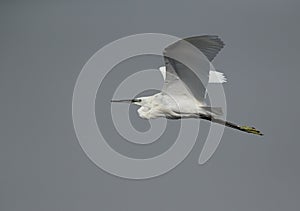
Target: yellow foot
{"x": 251, "y": 130}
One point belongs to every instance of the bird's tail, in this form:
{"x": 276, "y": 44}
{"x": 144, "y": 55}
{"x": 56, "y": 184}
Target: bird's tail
{"x": 213, "y": 110}
{"x": 216, "y": 77}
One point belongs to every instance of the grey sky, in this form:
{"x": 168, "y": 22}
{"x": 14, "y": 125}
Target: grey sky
{"x": 44, "y": 45}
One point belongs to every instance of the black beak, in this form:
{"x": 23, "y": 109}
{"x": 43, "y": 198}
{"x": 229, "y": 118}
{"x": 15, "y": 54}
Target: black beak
{"x": 126, "y": 101}
{"x": 121, "y": 101}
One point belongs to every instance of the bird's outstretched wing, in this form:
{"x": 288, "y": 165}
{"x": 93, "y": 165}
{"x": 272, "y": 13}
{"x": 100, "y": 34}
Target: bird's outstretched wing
{"x": 194, "y": 53}
{"x": 209, "y": 45}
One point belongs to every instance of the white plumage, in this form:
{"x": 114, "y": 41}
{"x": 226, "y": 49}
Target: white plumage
{"x": 214, "y": 76}
{"x": 184, "y": 91}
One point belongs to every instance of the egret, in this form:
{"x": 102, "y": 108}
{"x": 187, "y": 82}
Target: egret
{"x": 182, "y": 96}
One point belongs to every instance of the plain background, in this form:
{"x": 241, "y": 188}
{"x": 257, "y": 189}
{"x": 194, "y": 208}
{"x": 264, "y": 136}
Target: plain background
{"x": 44, "y": 45}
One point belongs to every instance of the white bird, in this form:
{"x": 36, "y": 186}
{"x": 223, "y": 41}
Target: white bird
{"x": 183, "y": 94}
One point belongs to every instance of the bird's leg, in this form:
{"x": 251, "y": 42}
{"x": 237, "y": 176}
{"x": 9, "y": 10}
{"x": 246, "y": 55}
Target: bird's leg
{"x": 230, "y": 124}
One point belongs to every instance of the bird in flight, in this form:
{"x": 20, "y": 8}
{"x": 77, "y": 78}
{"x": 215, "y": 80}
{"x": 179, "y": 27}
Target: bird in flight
{"x": 183, "y": 93}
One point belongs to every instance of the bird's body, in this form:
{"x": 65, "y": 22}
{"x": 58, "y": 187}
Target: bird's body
{"x": 186, "y": 75}
{"x": 163, "y": 105}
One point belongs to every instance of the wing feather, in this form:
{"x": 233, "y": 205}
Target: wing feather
{"x": 194, "y": 53}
